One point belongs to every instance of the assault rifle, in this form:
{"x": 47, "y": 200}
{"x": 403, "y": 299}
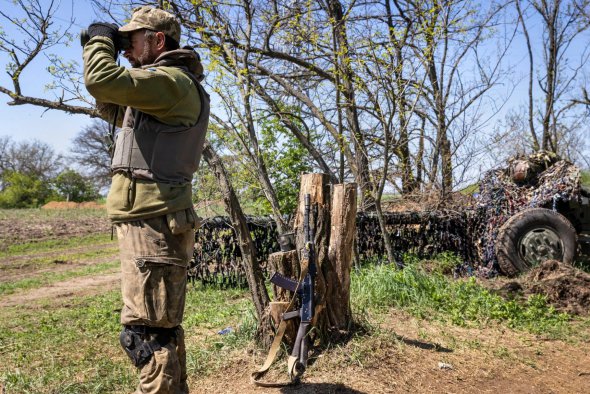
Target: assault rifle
{"x": 304, "y": 290}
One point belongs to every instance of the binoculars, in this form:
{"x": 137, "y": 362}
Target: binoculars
{"x": 121, "y": 41}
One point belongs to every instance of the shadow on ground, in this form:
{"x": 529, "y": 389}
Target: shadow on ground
{"x": 423, "y": 345}
{"x": 320, "y": 388}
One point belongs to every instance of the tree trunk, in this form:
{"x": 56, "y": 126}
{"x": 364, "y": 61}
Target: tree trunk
{"x": 252, "y": 268}
{"x": 334, "y": 232}
{"x": 317, "y": 186}
{"x": 446, "y": 164}
{"x": 286, "y": 264}
{"x": 340, "y": 254}
{"x": 347, "y": 75}
{"x": 384, "y": 233}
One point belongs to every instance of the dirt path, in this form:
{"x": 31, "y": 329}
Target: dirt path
{"x": 78, "y": 286}
{"x": 21, "y": 267}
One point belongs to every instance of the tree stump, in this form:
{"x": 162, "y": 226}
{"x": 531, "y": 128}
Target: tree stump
{"x": 286, "y": 264}
{"x": 340, "y": 255}
{"x": 333, "y": 220}
{"x": 333, "y": 223}
{"x": 318, "y": 187}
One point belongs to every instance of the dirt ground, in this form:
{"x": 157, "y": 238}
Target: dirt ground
{"x": 407, "y": 356}
{"x": 567, "y": 288}
{"x": 403, "y": 355}
{"x": 425, "y": 357}
{"x": 25, "y": 229}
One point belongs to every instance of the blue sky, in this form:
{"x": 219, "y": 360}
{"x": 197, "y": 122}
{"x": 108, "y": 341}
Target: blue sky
{"x": 28, "y": 122}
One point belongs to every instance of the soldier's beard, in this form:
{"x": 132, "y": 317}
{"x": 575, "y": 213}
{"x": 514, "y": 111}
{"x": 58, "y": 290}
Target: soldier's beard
{"x": 148, "y": 55}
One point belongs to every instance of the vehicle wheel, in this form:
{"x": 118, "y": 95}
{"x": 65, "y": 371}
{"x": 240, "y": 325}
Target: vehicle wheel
{"x": 532, "y": 236}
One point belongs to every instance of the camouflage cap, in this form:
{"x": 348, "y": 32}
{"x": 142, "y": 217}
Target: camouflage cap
{"x": 153, "y": 19}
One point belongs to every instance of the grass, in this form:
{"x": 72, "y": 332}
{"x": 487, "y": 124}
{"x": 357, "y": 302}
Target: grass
{"x": 461, "y": 302}
{"x": 64, "y": 349}
{"x": 74, "y": 348}
{"x": 47, "y": 278}
{"x": 61, "y": 257}
{"x": 36, "y": 214}
{"x": 57, "y": 244}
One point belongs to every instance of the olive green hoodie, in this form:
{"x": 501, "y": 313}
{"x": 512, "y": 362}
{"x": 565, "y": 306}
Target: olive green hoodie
{"x": 164, "y": 92}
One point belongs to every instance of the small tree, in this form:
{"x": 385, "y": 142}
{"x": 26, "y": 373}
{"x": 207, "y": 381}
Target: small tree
{"x": 91, "y": 151}
{"x": 32, "y": 158}
{"x": 72, "y": 186}
{"x": 23, "y": 190}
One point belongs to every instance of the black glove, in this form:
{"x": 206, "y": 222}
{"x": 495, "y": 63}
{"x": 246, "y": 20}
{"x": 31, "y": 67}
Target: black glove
{"x": 104, "y": 29}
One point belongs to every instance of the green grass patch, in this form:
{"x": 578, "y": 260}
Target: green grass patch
{"x": 36, "y": 214}
{"x": 51, "y": 245}
{"x": 68, "y": 257}
{"x": 461, "y": 302}
{"x": 43, "y": 260}
{"x": 75, "y": 348}
{"x": 585, "y": 178}
{"x": 64, "y": 350}
{"x": 47, "y": 278}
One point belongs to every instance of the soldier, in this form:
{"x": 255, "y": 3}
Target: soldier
{"x": 158, "y": 149}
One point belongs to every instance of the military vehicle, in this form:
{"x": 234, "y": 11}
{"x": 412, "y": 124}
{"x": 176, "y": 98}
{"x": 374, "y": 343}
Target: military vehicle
{"x": 556, "y": 223}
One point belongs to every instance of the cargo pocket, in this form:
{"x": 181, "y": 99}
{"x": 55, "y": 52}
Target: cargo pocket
{"x": 163, "y": 287}
{"x": 181, "y": 221}
{"x": 152, "y": 238}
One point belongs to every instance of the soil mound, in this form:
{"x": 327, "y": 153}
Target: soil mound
{"x": 566, "y": 287}
{"x": 72, "y": 205}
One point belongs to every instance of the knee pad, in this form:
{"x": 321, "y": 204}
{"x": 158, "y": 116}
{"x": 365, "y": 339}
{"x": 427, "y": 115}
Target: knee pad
{"x": 140, "y": 342}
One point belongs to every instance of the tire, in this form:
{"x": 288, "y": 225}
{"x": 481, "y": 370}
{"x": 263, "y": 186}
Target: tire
{"x": 532, "y": 236}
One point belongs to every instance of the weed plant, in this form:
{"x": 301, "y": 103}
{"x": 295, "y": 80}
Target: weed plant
{"x": 461, "y": 302}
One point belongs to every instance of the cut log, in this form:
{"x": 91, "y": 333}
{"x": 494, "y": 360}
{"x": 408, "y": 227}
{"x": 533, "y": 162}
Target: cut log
{"x": 286, "y": 264}
{"x": 333, "y": 223}
{"x": 340, "y": 254}
{"x": 318, "y": 187}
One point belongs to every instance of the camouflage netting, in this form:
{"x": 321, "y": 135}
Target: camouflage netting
{"x": 217, "y": 256}
{"x": 424, "y": 234}
{"x": 468, "y": 230}
{"x": 541, "y": 180}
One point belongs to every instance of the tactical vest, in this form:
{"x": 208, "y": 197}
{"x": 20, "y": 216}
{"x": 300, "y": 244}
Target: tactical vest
{"x": 148, "y": 149}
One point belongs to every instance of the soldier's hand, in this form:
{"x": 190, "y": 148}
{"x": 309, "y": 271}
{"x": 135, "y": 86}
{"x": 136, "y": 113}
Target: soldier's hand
{"x": 104, "y": 29}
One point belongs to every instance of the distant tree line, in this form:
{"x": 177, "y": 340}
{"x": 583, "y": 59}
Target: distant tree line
{"x": 31, "y": 174}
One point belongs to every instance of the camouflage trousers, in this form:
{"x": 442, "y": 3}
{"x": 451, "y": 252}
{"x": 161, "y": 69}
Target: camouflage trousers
{"x": 154, "y": 256}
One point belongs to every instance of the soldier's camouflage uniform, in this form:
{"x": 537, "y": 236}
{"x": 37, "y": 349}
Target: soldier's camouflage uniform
{"x": 150, "y": 203}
